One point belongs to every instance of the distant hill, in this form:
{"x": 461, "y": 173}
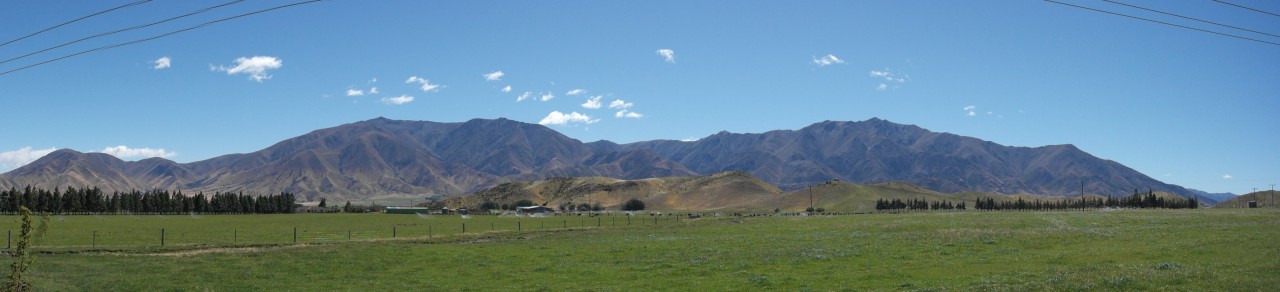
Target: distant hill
{"x": 1211, "y": 198}
{"x": 716, "y": 191}
{"x": 1265, "y": 199}
{"x": 383, "y": 158}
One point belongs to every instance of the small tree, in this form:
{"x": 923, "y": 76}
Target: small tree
{"x": 633, "y": 205}
{"x": 323, "y": 203}
{"x": 584, "y": 207}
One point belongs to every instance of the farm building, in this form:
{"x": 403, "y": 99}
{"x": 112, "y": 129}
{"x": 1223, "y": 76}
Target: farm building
{"x": 408, "y": 210}
{"x": 534, "y": 209}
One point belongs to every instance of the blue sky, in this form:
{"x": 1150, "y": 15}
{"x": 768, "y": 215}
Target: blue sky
{"x": 1185, "y": 107}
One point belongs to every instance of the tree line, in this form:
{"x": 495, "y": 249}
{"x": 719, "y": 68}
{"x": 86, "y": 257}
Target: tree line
{"x": 1136, "y": 201}
{"x": 917, "y": 204}
{"x": 94, "y": 201}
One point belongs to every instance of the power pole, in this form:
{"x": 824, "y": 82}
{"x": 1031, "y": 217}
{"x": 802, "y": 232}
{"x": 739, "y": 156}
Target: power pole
{"x": 810, "y": 198}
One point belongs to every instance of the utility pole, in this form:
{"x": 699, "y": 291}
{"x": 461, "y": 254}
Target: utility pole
{"x": 810, "y": 198}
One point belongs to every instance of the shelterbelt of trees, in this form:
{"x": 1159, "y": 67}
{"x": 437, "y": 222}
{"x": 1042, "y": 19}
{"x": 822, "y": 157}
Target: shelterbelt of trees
{"x": 94, "y": 201}
{"x": 1136, "y": 201}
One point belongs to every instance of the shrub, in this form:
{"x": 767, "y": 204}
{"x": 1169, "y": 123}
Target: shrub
{"x": 633, "y": 205}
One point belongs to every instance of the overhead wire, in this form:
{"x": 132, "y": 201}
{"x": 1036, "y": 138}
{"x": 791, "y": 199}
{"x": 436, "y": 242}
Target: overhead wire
{"x": 75, "y": 20}
{"x": 207, "y": 9}
{"x": 1164, "y": 23}
{"x": 1245, "y": 7}
{"x": 157, "y": 36}
{"x": 1191, "y": 18}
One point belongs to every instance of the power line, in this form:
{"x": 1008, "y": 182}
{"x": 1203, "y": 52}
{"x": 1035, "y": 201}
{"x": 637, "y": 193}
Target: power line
{"x": 74, "y": 20}
{"x": 1164, "y": 23}
{"x": 1191, "y": 18}
{"x": 157, "y": 36}
{"x": 1242, "y": 6}
{"x": 122, "y": 30}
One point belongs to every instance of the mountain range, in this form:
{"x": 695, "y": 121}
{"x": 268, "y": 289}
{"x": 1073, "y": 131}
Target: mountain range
{"x": 381, "y": 158}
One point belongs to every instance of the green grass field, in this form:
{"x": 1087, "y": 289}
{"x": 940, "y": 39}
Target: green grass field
{"x": 1094, "y": 250}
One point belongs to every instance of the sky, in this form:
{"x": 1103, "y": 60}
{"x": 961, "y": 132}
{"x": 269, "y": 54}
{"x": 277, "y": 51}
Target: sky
{"x": 1185, "y": 107}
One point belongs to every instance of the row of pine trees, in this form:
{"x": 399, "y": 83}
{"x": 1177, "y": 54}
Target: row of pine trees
{"x": 95, "y": 201}
{"x": 1136, "y": 201}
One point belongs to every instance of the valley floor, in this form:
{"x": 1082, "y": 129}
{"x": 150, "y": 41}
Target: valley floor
{"x": 1090, "y": 250}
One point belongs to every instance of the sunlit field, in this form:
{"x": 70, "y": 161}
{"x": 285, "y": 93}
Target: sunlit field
{"x": 1149, "y": 249}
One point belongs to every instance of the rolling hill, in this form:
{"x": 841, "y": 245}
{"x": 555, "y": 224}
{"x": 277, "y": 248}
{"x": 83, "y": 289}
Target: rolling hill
{"x": 381, "y": 158}
{"x": 1265, "y": 199}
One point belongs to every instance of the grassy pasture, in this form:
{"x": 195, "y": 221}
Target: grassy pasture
{"x": 1095, "y": 250}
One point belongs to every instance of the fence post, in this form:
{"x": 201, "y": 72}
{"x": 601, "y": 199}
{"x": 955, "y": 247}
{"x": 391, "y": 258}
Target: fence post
{"x": 95, "y": 239}
{"x": 464, "y": 227}
{"x": 235, "y": 235}
{"x": 161, "y": 236}
{"x": 10, "y": 240}
{"x": 565, "y": 223}
{"x": 393, "y": 232}
{"x": 295, "y": 235}
{"x": 597, "y": 221}
{"x": 518, "y": 226}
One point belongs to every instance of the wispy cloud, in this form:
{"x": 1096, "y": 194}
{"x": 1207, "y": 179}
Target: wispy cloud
{"x": 667, "y": 55}
{"x": 576, "y": 91}
{"x": 620, "y": 104}
{"x": 829, "y": 59}
{"x": 970, "y": 110}
{"x": 373, "y": 90}
{"x": 547, "y": 96}
{"x": 356, "y": 92}
{"x": 494, "y": 76}
{"x": 889, "y": 78}
{"x": 559, "y": 118}
{"x": 524, "y": 96}
{"x": 426, "y": 84}
{"x": 124, "y": 152}
{"x": 402, "y": 99}
{"x": 592, "y": 102}
{"x": 162, "y": 62}
{"x": 22, "y": 156}
{"x": 627, "y": 114}
{"x": 1227, "y": 176}
{"x": 256, "y": 67}
{"x": 506, "y": 89}
{"x": 690, "y": 139}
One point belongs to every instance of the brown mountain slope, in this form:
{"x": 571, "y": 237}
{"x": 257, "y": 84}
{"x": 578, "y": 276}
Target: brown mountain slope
{"x": 1265, "y": 199}
{"x": 717, "y": 191}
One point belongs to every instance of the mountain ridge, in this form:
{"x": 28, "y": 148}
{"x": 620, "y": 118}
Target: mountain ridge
{"x": 381, "y": 157}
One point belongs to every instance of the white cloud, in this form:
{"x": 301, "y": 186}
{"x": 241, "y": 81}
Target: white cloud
{"x": 162, "y": 62}
{"x": 970, "y": 110}
{"x": 506, "y": 89}
{"x": 690, "y": 139}
{"x": 889, "y": 76}
{"x": 124, "y": 152}
{"x": 373, "y": 80}
{"x": 402, "y": 99}
{"x": 592, "y": 102}
{"x": 256, "y": 67}
{"x": 620, "y": 104}
{"x": 558, "y": 118}
{"x": 627, "y": 114}
{"x": 546, "y": 96}
{"x": 524, "y": 96}
{"x": 882, "y": 87}
{"x": 426, "y": 85}
{"x": 1227, "y": 176}
{"x": 576, "y": 91}
{"x": 22, "y": 156}
{"x": 668, "y": 55}
{"x": 495, "y": 76}
{"x": 356, "y": 92}
{"x": 829, "y": 59}
{"x": 373, "y": 90}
